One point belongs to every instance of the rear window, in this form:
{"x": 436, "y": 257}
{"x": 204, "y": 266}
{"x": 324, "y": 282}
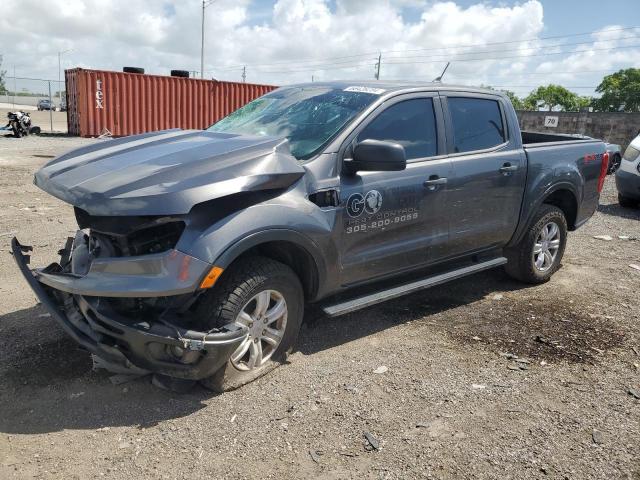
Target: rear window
{"x": 477, "y": 124}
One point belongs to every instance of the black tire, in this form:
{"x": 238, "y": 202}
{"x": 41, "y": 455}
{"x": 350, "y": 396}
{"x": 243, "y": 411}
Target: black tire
{"x": 180, "y": 73}
{"x": 626, "y": 202}
{"x": 615, "y": 164}
{"x": 237, "y": 287}
{"x": 133, "y": 70}
{"x": 521, "y": 264}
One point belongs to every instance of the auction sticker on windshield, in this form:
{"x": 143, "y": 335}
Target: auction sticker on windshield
{"x": 376, "y": 91}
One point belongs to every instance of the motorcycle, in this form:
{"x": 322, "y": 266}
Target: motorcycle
{"x": 20, "y": 123}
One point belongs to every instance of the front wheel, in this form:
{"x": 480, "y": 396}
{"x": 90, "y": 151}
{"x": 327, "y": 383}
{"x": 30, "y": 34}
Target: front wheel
{"x": 539, "y": 253}
{"x": 267, "y": 298}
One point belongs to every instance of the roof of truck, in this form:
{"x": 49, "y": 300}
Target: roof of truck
{"x": 396, "y": 86}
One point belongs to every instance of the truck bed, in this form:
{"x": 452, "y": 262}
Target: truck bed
{"x": 538, "y": 138}
{"x": 575, "y": 161}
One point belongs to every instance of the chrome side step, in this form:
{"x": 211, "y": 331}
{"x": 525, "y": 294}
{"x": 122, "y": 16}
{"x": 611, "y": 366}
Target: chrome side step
{"x": 395, "y": 292}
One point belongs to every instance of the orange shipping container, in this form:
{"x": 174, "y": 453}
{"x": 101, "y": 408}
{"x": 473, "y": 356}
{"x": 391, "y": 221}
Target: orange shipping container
{"x": 122, "y": 104}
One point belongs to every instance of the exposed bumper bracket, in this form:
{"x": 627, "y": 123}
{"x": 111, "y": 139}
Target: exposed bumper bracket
{"x": 145, "y": 345}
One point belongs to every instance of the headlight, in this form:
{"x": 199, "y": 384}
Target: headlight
{"x": 631, "y": 154}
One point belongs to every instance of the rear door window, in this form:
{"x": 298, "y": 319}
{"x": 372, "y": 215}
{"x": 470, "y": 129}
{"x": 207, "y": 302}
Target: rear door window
{"x": 411, "y": 123}
{"x": 477, "y": 124}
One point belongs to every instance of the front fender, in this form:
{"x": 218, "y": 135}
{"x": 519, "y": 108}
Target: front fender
{"x": 297, "y": 221}
{"x": 271, "y": 235}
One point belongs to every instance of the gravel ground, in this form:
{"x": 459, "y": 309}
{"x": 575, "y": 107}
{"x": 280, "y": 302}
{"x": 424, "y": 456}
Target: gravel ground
{"x": 483, "y": 378}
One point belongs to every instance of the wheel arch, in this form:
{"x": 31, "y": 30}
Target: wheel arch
{"x": 563, "y": 195}
{"x": 566, "y": 200}
{"x": 297, "y": 251}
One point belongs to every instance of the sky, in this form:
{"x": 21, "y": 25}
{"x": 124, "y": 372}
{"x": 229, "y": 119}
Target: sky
{"x": 514, "y": 45}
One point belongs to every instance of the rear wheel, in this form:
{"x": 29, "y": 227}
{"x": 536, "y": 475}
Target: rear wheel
{"x": 626, "y": 202}
{"x": 266, "y": 297}
{"x": 539, "y": 253}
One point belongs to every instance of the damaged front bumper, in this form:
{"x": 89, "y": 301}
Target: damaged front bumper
{"x": 80, "y": 305}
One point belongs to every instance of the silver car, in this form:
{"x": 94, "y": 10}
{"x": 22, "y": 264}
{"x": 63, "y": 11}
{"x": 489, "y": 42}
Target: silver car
{"x": 628, "y": 176}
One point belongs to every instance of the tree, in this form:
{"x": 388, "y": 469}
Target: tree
{"x": 583, "y": 102}
{"x": 516, "y": 101}
{"x": 620, "y": 91}
{"x": 3, "y": 73}
{"x": 552, "y": 96}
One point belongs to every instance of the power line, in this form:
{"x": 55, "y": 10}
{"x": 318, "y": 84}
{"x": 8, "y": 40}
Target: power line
{"x": 518, "y": 41}
{"x": 510, "y": 49}
{"x": 523, "y": 56}
{"x": 545, "y": 73}
{"x": 319, "y": 65}
{"x": 451, "y": 58}
{"x": 329, "y": 59}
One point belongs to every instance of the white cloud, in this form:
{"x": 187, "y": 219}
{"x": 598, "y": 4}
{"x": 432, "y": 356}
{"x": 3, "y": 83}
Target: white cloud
{"x": 301, "y": 38}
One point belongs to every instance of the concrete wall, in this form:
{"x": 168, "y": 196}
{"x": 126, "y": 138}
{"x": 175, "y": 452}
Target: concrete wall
{"x": 618, "y": 128}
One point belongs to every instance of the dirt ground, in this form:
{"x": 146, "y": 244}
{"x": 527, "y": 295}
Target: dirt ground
{"x": 485, "y": 377}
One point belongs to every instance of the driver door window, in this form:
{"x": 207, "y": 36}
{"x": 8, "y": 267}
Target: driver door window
{"x": 411, "y": 123}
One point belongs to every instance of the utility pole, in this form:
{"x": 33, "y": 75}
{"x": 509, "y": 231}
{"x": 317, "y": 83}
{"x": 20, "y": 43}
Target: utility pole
{"x": 378, "y": 66}
{"x": 205, "y": 4}
{"x": 244, "y": 74}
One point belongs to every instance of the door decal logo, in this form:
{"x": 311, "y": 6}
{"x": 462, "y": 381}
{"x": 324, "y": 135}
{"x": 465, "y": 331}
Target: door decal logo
{"x": 372, "y": 202}
{"x": 357, "y": 203}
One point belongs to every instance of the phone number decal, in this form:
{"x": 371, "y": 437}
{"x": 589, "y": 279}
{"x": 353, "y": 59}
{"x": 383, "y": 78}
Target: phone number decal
{"x": 382, "y": 220}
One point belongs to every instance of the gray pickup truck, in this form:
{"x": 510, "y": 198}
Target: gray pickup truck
{"x": 198, "y": 250}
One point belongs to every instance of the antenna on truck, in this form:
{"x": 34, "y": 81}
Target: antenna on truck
{"x": 439, "y": 77}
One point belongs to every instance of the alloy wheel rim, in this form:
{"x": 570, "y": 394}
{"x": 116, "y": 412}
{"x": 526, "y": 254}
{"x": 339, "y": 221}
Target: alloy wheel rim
{"x": 545, "y": 249}
{"x": 265, "y": 315}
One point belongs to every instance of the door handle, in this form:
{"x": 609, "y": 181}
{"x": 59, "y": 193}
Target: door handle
{"x": 434, "y": 181}
{"x": 507, "y": 168}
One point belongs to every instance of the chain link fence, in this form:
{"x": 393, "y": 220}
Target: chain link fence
{"x": 37, "y": 94}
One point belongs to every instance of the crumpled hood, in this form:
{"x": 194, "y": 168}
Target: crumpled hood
{"x": 167, "y": 172}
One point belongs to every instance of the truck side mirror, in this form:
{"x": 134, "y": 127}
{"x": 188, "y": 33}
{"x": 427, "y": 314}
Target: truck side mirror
{"x": 376, "y": 156}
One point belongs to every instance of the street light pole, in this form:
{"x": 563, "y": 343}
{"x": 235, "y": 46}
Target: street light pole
{"x": 205, "y": 4}
{"x": 202, "y": 44}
